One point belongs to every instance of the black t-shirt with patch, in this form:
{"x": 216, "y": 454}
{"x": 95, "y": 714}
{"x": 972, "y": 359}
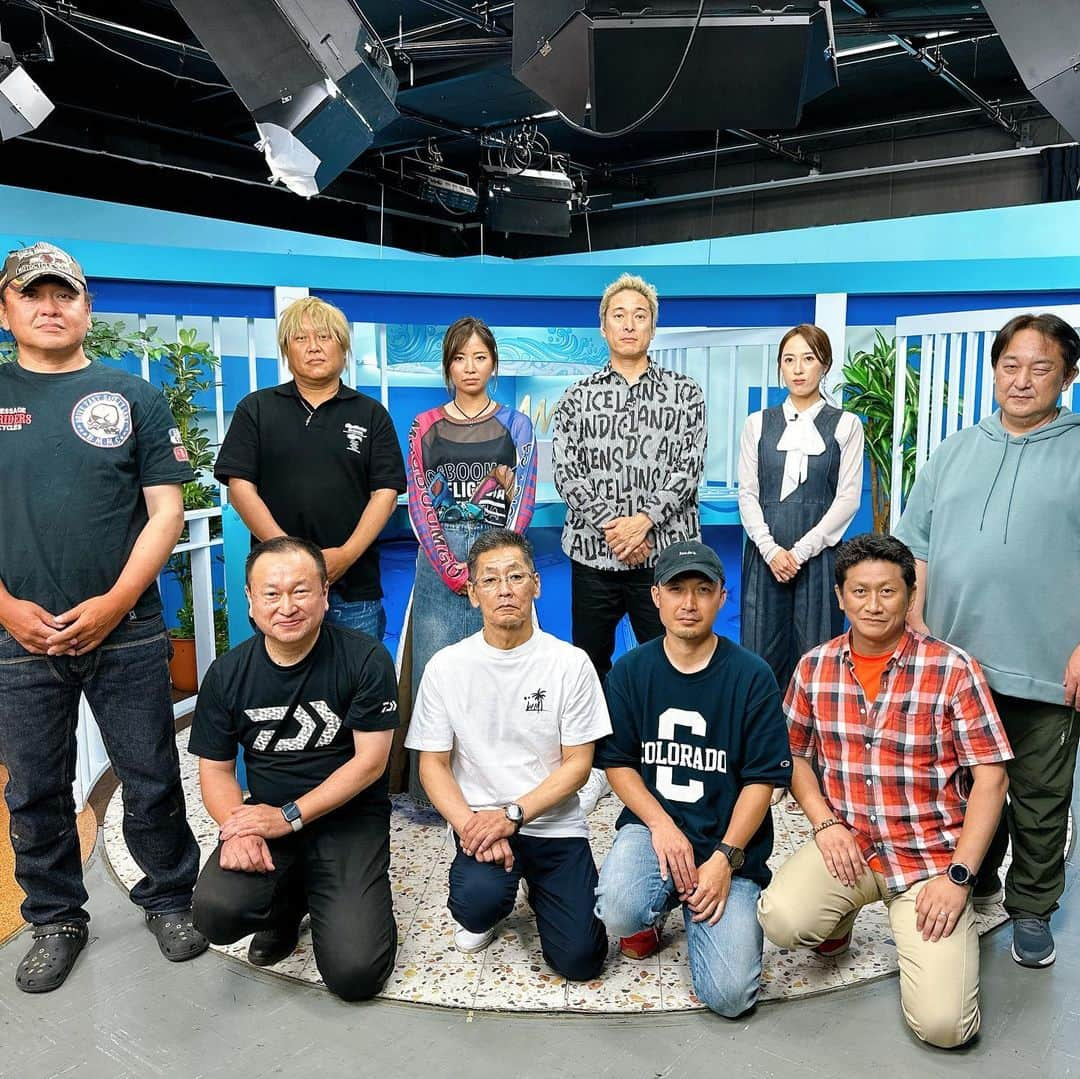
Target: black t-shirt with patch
{"x": 315, "y": 470}
{"x": 76, "y": 450}
{"x": 295, "y": 723}
{"x": 698, "y": 739}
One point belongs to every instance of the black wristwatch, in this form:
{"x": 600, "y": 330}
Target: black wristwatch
{"x": 960, "y": 874}
{"x": 291, "y": 812}
{"x": 736, "y": 856}
{"x": 515, "y": 815}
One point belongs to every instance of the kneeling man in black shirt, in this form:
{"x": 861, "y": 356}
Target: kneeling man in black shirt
{"x": 315, "y": 707}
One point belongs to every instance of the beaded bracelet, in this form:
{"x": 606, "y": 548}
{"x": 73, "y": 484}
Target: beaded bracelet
{"x": 827, "y": 823}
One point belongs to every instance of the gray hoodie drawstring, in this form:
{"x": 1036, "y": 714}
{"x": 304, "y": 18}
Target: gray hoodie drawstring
{"x": 993, "y": 482}
{"x": 1012, "y": 488}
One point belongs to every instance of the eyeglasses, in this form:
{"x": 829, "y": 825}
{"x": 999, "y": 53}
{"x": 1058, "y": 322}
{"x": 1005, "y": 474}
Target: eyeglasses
{"x": 514, "y": 580}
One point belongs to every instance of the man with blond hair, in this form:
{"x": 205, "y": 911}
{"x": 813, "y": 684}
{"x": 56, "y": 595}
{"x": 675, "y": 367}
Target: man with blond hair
{"x": 629, "y": 450}
{"x": 316, "y": 459}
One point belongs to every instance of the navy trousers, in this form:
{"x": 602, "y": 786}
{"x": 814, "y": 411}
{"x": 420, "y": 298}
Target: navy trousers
{"x": 561, "y": 875}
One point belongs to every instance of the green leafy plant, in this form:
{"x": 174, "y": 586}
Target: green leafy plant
{"x": 868, "y": 390}
{"x": 190, "y": 368}
{"x": 180, "y": 568}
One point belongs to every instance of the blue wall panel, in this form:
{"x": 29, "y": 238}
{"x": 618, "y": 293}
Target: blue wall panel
{"x": 152, "y": 297}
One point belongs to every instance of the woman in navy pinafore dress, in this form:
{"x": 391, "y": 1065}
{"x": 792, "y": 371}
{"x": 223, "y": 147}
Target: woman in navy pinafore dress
{"x": 800, "y": 484}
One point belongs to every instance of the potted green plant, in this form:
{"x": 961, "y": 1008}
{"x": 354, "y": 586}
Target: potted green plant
{"x": 190, "y": 367}
{"x": 868, "y": 389}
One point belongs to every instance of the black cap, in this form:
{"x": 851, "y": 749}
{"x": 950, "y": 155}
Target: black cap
{"x": 688, "y": 557}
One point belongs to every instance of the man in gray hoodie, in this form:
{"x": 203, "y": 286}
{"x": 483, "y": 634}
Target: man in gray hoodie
{"x": 993, "y": 522}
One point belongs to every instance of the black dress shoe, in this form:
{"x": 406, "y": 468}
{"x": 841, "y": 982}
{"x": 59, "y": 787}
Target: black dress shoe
{"x": 272, "y": 945}
{"x": 52, "y": 955}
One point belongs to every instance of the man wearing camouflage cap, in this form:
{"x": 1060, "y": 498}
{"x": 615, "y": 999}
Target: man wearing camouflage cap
{"x": 91, "y": 496}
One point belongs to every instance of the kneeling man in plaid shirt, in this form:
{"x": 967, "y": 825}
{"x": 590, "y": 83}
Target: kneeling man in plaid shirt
{"x": 910, "y": 751}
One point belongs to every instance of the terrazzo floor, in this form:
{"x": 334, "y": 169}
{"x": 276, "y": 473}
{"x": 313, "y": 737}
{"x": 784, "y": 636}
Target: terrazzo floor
{"x": 511, "y": 974}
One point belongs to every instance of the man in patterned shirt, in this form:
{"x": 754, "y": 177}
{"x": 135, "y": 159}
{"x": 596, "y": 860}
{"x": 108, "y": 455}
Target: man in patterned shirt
{"x": 911, "y": 752}
{"x": 628, "y": 453}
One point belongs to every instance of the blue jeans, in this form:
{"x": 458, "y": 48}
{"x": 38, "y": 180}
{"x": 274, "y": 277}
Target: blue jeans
{"x": 725, "y": 959}
{"x": 366, "y": 615}
{"x": 439, "y": 617}
{"x": 561, "y": 875}
{"x": 126, "y": 681}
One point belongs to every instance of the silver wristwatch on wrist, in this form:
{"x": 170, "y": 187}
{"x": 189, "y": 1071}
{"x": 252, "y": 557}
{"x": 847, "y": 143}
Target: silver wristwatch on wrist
{"x": 291, "y": 812}
{"x": 515, "y": 815}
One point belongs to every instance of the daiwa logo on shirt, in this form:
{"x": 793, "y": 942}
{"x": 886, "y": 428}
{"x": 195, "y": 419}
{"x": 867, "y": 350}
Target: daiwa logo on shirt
{"x": 308, "y": 734}
{"x": 102, "y": 419}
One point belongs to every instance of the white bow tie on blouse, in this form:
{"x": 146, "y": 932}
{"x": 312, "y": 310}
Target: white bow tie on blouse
{"x": 800, "y": 441}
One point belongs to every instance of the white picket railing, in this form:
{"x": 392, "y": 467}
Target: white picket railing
{"x": 956, "y": 385}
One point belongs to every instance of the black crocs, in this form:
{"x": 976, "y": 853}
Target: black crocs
{"x": 177, "y": 937}
{"x": 51, "y": 956}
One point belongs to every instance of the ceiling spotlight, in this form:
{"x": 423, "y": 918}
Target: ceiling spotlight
{"x": 314, "y": 74}
{"x": 23, "y": 104}
{"x": 532, "y": 201}
{"x": 457, "y": 196}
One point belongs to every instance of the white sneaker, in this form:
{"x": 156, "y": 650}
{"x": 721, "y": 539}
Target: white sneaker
{"x": 596, "y": 786}
{"x": 468, "y": 942}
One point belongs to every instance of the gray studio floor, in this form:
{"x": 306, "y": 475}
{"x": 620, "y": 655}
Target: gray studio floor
{"x": 125, "y": 1012}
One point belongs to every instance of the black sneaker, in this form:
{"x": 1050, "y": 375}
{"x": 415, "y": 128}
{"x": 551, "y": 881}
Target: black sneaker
{"x": 1033, "y": 943}
{"x": 177, "y": 937}
{"x": 270, "y": 946}
{"x": 52, "y": 955}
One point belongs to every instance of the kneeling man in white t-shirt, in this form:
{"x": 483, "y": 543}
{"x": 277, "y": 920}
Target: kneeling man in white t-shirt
{"x": 505, "y": 722}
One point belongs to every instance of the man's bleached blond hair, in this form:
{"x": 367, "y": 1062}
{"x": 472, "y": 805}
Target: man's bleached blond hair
{"x": 324, "y": 318}
{"x": 636, "y": 284}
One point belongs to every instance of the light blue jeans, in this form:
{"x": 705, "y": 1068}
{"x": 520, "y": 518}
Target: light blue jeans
{"x": 439, "y": 618}
{"x": 725, "y": 959}
{"x": 366, "y": 615}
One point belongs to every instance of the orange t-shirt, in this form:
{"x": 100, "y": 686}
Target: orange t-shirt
{"x": 868, "y": 670}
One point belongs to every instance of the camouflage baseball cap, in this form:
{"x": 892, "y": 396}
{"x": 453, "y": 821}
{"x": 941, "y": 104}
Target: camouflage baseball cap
{"x": 27, "y": 265}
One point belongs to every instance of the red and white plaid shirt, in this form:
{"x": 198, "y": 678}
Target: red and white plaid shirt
{"x": 896, "y": 771}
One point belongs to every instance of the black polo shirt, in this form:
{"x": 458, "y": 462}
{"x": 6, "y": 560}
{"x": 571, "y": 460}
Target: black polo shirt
{"x": 316, "y": 469}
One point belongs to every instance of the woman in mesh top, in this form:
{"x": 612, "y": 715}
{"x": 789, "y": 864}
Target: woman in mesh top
{"x": 471, "y": 467}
